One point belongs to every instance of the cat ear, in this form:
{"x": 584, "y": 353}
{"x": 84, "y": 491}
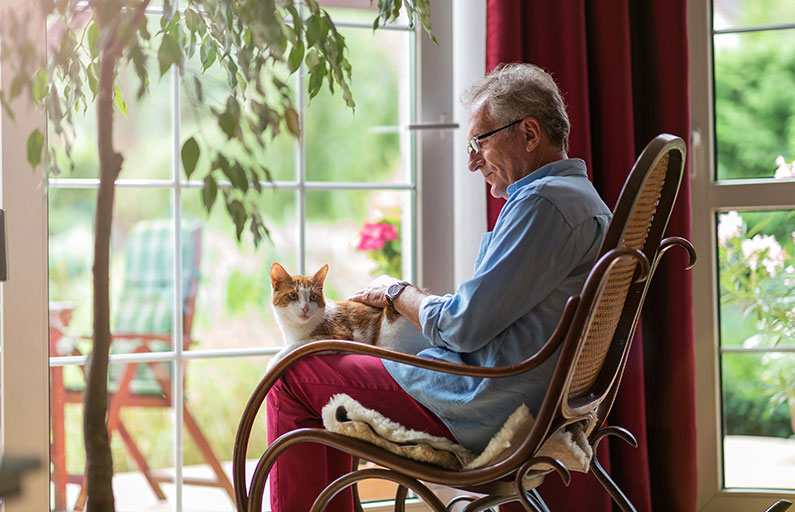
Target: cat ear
{"x": 279, "y": 275}
{"x": 320, "y": 277}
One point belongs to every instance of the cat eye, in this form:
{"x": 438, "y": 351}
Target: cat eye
{"x": 293, "y": 296}
{"x": 313, "y": 297}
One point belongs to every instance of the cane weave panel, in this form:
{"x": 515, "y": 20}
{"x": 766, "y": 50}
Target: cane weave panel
{"x": 642, "y": 214}
{"x": 610, "y": 302}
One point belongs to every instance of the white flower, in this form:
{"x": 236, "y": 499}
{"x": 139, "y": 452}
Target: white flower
{"x": 773, "y": 253}
{"x": 784, "y": 170}
{"x": 730, "y": 225}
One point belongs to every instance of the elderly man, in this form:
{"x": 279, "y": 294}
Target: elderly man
{"x": 544, "y": 243}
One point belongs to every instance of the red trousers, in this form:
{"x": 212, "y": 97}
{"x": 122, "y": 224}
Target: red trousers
{"x": 295, "y": 401}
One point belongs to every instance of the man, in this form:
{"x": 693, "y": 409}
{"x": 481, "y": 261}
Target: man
{"x": 543, "y": 245}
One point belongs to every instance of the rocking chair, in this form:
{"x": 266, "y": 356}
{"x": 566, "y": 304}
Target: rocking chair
{"x": 591, "y": 343}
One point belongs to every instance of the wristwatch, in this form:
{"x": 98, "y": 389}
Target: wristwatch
{"x": 394, "y": 290}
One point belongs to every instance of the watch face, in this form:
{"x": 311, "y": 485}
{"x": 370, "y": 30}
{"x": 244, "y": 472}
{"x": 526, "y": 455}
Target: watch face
{"x": 393, "y": 290}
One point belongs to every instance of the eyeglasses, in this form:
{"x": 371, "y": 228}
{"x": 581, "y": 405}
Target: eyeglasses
{"x": 473, "y": 146}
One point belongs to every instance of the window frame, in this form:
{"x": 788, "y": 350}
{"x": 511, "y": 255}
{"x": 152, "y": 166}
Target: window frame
{"x": 709, "y": 196}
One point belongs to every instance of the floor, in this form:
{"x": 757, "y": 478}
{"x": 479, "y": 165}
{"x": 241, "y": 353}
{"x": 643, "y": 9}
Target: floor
{"x": 751, "y": 462}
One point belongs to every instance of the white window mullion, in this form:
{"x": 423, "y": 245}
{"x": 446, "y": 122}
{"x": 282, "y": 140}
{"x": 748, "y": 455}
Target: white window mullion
{"x": 177, "y": 385}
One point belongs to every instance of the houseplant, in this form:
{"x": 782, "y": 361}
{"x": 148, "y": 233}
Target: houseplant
{"x": 248, "y": 39}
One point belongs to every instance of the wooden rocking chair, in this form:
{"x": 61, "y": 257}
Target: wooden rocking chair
{"x": 591, "y": 344}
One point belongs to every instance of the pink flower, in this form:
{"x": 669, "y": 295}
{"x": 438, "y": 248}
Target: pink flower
{"x": 730, "y": 225}
{"x": 373, "y": 236}
{"x": 764, "y": 244}
{"x": 784, "y": 170}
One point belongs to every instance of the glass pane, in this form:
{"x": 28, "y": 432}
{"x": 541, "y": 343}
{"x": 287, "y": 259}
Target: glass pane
{"x": 216, "y": 392}
{"x": 758, "y": 409}
{"x": 233, "y": 295}
{"x": 365, "y": 144}
{"x": 756, "y": 268}
{"x": 142, "y": 436}
{"x": 199, "y": 122}
{"x": 359, "y": 234}
{"x": 743, "y": 13}
{"x": 755, "y": 104}
{"x": 142, "y": 136}
{"x": 71, "y": 242}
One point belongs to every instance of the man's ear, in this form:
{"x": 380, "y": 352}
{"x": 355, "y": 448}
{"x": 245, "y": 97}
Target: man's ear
{"x": 531, "y": 131}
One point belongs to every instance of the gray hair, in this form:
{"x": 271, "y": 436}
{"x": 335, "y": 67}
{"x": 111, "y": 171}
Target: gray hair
{"x": 517, "y": 91}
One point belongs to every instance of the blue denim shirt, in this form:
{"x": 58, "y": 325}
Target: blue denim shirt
{"x": 544, "y": 243}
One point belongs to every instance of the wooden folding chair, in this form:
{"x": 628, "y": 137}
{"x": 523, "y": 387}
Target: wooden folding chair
{"x": 142, "y": 323}
{"x": 590, "y": 344}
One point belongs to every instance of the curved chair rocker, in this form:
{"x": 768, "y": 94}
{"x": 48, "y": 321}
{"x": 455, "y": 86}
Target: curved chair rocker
{"x": 591, "y": 343}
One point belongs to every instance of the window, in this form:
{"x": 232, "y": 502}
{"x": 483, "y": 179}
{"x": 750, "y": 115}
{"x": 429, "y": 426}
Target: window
{"x": 211, "y": 335}
{"x": 744, "y": 229}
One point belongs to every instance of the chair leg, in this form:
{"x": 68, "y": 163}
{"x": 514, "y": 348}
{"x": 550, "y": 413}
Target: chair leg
{"x": 207, "y": 452}
{"x": 222, "y": 480}
{"x": 601, "y": 475}
{"x": 58, "y": 446}
{"x": 138, "y": 457}
{"x": 400, "y": 498}
{"x": 357, "y": 502}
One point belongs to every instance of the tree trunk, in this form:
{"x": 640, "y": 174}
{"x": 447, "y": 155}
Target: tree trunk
{"x": 99, "y": 465}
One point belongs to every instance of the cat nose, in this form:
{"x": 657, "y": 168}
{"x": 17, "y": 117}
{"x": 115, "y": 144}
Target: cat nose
{"x": 305, "y": 308}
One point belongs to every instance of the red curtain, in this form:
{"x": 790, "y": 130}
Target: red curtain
{"x": 622, "y": 66}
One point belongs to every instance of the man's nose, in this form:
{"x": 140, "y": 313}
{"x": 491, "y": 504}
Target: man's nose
{"x": 475, "y": 161}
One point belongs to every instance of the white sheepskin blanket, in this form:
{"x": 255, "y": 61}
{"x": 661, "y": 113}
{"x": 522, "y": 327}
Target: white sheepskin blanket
{"x": 344, "y": 415}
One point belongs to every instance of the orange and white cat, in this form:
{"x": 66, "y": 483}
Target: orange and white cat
{"x": 304, "y": 314}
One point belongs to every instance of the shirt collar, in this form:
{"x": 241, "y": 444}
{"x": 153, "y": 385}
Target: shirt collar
{"x": 565, "y": 167}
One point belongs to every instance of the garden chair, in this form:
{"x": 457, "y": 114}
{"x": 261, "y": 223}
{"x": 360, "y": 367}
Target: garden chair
{"x": 591, "y": 344}
{"x": 142, "y": 317}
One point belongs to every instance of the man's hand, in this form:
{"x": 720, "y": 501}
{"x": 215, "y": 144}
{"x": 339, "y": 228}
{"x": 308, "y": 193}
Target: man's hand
{"x": 373, "y": 294}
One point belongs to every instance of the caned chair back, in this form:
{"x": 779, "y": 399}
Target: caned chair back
{"x": 639, "y": 221}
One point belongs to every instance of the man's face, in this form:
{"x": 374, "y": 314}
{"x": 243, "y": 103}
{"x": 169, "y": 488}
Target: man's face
{"x": 501, "y": 159}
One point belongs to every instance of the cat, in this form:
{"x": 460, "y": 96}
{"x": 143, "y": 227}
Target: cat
{"x": 304, "y": 314}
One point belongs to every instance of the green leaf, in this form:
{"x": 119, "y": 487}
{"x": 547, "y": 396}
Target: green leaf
{"x": 192, "y": 20}
{"x": 312, "y": 58}
{"x": 315, "y": 79}
{"x": 237, "y": 176}
{"x": 208, "y": 53}
{"x": 190, "y": 156}
{"x": 93, "y": 82}
{"x": 314, "y": 26}
{"x": 229, "y": 120}
{"x": 296, "y": 56}
{"x": 118, "y": 99}
{"x": 209, "y": 192}
{"x": 93, "y": 34}
{"x": 35, "y": 143}
{"x": 239, "y": 216}
{"x": 169, "y": 52}
{"x": 291, "y": 119}
{"x": 40, "y": 88}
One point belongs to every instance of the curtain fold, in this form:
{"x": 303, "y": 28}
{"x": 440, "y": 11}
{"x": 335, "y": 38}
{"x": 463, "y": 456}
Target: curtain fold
{"x": 622, "y": 66}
